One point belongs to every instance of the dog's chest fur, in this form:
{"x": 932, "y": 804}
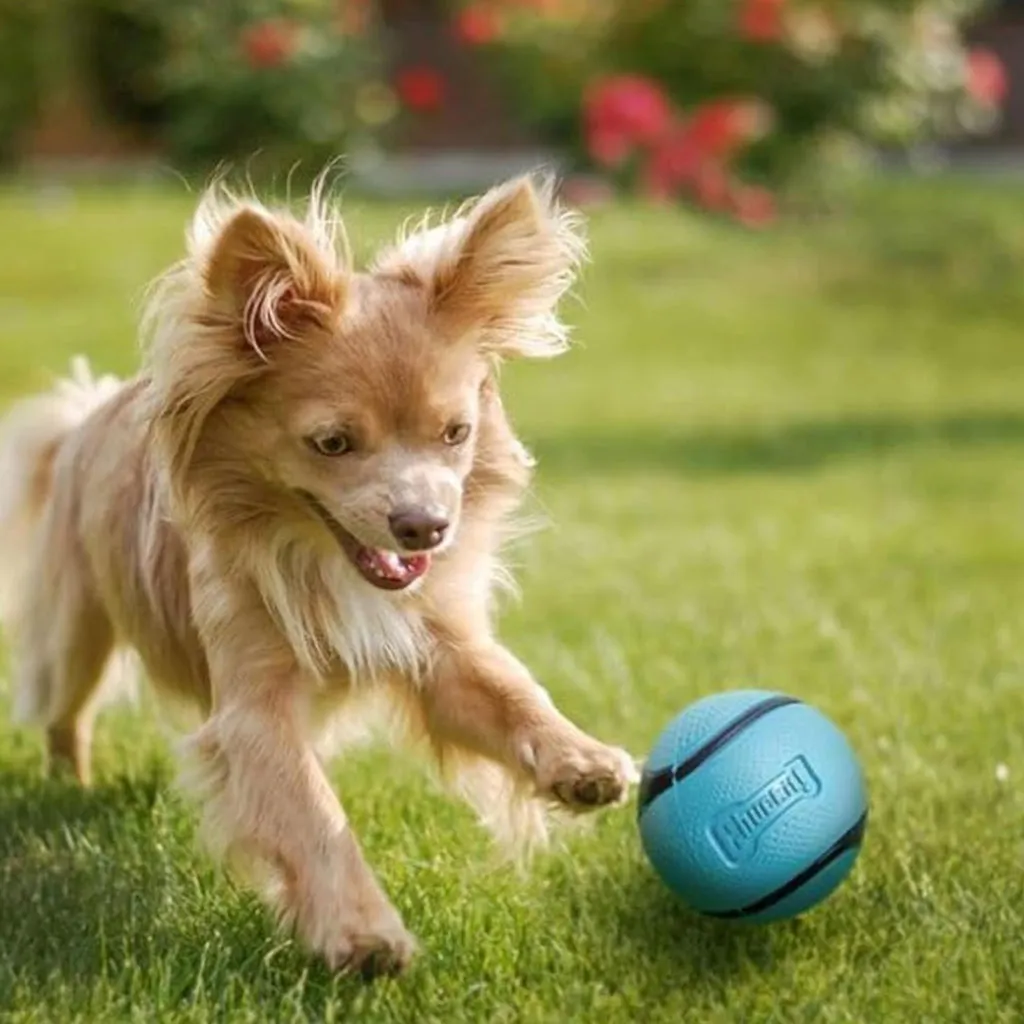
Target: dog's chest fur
{"x": 330, "y": 617}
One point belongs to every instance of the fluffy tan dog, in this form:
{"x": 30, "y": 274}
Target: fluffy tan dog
{"x": 300, "y": 501}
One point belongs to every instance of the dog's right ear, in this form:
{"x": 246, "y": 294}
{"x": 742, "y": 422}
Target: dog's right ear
{"x": 271, "y": 276}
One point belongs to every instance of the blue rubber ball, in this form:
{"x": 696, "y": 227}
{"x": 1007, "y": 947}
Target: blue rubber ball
{"x": 752, "y": 806}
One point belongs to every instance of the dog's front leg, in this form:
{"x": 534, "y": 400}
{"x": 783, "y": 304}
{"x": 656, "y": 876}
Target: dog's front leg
{"x": 481, "y": 698}
{"x": 269, "y": 804}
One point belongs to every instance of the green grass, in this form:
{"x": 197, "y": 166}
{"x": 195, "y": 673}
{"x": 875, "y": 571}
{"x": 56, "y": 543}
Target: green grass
{"x": 792, "y": 461}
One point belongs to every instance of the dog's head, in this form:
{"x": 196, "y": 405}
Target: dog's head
{"x": 357, "y": 401}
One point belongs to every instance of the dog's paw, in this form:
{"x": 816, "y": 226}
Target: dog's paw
{"x": 587, "y": 775}
{"x": 373, "y": 954}
{"x": 358, "y": 939}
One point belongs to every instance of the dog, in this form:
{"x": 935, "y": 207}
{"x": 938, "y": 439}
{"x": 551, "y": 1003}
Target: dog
{"x": 297, "y": 504}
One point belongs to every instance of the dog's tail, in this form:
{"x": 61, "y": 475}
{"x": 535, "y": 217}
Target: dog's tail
{"x": 30, "y": 436}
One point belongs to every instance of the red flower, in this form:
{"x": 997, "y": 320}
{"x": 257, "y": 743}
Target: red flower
{"x": 621, "y": 112}
{"x": 478, "y": 25}
{"x": 630, "y": 104}
{"x": 269, "y": 43}
{"x": 987, "y": 80}
{"x": 721, "y": 127}
{"x": 753, "y": 206}
{"x": 420, "y": 88}
{"x": 761, "y": 20}
{"x": 715, "y": 128}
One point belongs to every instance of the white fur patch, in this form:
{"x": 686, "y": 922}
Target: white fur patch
{"x": 327, "y": 611}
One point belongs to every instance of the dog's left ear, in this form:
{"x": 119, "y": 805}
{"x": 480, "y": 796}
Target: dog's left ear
{"x": 499, "y": 270}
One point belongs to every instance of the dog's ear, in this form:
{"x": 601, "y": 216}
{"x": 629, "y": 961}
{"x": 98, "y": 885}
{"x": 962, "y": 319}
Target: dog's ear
{"x": 267, "y": 274}
{"x": 499, "y": 269}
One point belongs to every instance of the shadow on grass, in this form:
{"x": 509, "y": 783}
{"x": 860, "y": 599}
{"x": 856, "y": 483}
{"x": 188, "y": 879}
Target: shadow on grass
{"x": 796, "y": 447}
{"x": 102, "y": 896}
{"x": 655, "y": 929}
{"x": 101, "y": 902}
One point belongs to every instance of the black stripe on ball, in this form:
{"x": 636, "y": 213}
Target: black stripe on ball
{"x": 653, "y": 784}
{"x": 849, "y": 840}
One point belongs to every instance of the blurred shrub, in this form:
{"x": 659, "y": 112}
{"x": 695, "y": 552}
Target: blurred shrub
{"x": 21, "y": 47}
{"x": 692, "y": 97}
{"x": 219, "y": 81}
{"x": 126, "y": 44}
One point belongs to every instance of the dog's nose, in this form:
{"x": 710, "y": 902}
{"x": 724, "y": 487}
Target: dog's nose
{"x": 418, "y": 529}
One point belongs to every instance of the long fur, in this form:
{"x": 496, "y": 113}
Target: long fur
{"x": 190, "y": 515}
{"x": 464, "y": 266}
{"x": 33, "y": 429}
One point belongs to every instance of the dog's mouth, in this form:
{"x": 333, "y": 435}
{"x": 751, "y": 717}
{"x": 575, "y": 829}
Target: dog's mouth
{"x": 384, "y": 569}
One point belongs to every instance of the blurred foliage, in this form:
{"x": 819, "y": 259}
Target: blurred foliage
{"x": 835, "y": 76}
{"x": 126, "y": 44}
{"x": 22, "y": 27}
{"x": 215, "y": 82}
{"x": 726, "y": 103}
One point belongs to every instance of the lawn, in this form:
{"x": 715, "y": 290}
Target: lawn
{"x": 792, "y": 461}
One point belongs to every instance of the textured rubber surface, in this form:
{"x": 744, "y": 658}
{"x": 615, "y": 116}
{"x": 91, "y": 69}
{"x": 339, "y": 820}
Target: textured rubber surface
{"x": 654, "y": 783}
{"x": 761, "y": 810}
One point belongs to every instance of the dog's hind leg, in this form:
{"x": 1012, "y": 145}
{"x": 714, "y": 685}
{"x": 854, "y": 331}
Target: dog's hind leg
{"x": 62, "y": 651}
{"x": 76, "y": 679}
{"x": 58, "y": 633}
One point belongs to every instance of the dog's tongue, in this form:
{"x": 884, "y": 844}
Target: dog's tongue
{"x": 390, "y": 566}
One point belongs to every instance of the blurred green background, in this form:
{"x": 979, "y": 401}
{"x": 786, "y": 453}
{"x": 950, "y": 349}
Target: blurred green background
{"x": 787, "y": 458}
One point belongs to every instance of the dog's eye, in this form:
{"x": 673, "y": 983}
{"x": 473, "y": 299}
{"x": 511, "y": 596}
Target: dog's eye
{"x": 331, "y": 444}
{"x": 456, "y": 433}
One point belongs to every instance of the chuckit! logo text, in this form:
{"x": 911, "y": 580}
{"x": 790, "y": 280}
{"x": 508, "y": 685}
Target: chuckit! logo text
{"x": 736, "y": 830}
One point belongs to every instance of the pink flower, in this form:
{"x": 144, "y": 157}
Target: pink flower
{"x": 621, "y": 112}
{"x": 477, "y": 25}
{"x": 761, "y": 21}
{"x": 987, "y": 80}
{"x": 420, "y": 88}
{"x": 269, "y": 43}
